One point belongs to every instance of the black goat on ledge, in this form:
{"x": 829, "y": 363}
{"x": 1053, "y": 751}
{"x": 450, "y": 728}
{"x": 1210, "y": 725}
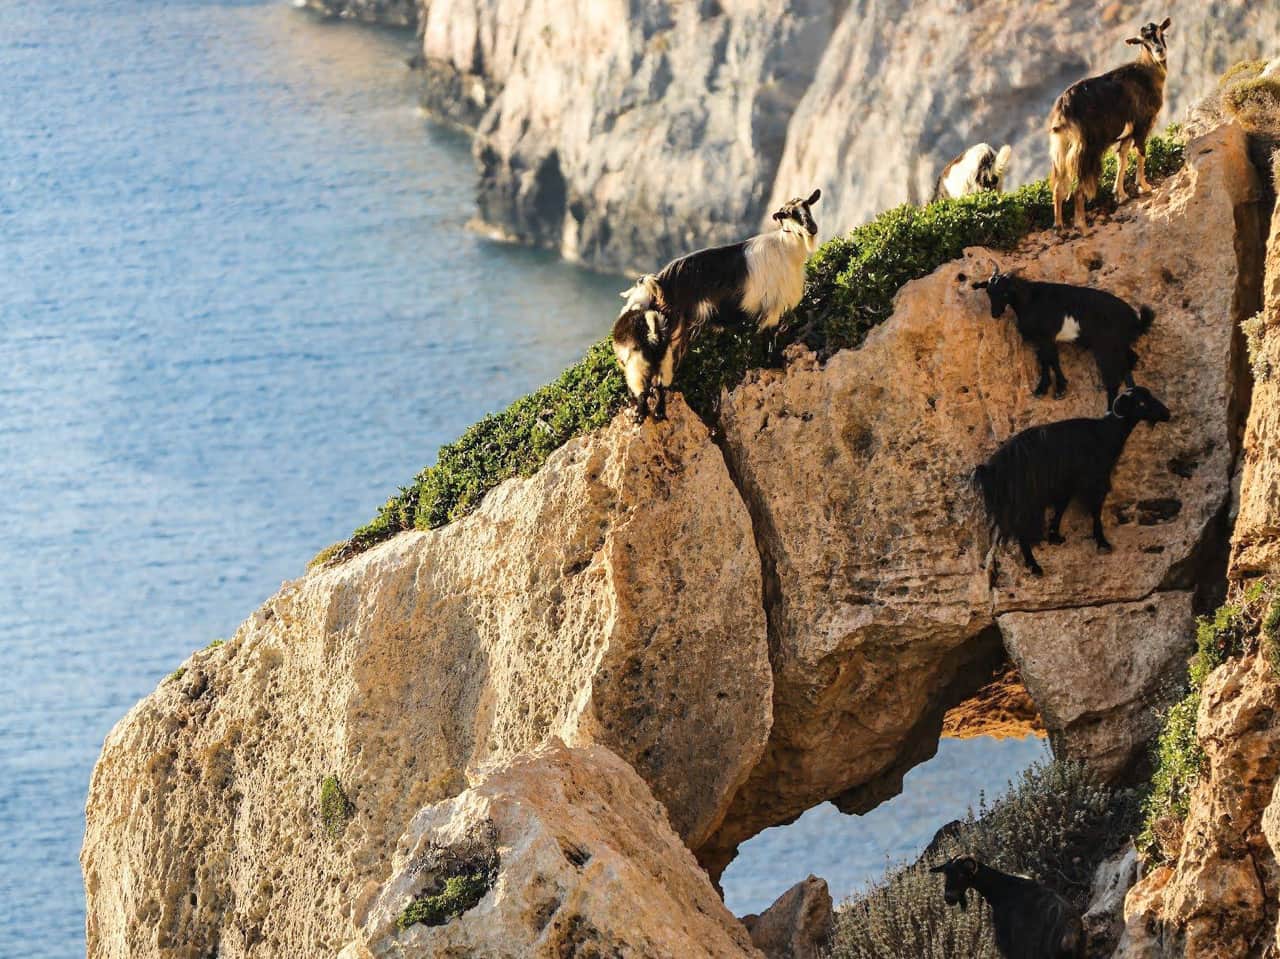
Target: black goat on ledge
{"x": 1031, "y": 921}
{"x": 1052, "y": 313}
{"x": 1046, "y": 467}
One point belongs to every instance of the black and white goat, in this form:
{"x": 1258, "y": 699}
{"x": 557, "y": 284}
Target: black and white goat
{"x": 1031, "y": 920}
{"x": 649, "y": 343}
{"x": 1051, "y": 313}
{"x": 1118, "y": 109}
{"x": 755, "y": 281}
{"x": 979, "y": 168}
{"x": 1046, "y": 467}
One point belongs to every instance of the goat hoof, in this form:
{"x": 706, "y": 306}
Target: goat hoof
{"x": 660, "y": 417}
{"x": 1036, "y": 571}
{"x": 1104, "y": 547}
{"x": 1060, "y": 393}
{"x": 1054, "y": 539}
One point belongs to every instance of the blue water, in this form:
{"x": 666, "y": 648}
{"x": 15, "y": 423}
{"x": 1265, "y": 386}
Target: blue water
{"x": 238, "y": 307}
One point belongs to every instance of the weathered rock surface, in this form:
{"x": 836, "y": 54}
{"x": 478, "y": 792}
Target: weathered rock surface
{"x": 1002, "y": 709}
{"x": 1132, "y": 645}
{"x": 856, "y": 476}
{"x": 587, "y": 867}
{"x": 611, "y": 598}
{"x": 394, "y": 13}
{"x": 1256, "y": 538}
{"x": 624, "y": 134}
{"x": 1220, "y": 897}
{"x": 799, "y": 924}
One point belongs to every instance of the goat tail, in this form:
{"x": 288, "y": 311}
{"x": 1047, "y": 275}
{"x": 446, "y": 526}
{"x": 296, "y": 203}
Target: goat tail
{"x": 1146, "y": 316}
{"x": 1002, "y": 160}
{"x": 1065, "y": 143}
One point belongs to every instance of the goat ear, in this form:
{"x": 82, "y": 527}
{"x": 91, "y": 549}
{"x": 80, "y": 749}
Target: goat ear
{"x": 942, "y": 868}
{"x": 1122, "y": 406}
{"x": 1168, "y": 21}
{"x": 970, "y": 866}
{"x": 1134, "y": 41}
{"x": 980, "y": 285}
{"x": 779, "y": 216}
{"x": 814, "y": 197}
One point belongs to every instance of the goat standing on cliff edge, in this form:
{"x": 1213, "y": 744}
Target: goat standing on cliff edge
{"x": 757, "y": 280}
{"x": 1118, "y": 109}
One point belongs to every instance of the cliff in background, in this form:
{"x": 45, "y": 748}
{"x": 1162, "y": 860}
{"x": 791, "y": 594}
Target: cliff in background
{"x": 505, "y": 736}
{"x": 623, "y": 134}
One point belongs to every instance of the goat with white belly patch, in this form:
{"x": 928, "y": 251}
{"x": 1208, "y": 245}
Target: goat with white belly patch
{"x": 980, "y": 168}
{"x": 649, "y": 343}
{"x": 1052, "y": 313}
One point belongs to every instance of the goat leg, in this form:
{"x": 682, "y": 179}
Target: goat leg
{"x": 1099, "y": 536}
{"x": 1143, "y": 185}
{"x": 1122, "y": 164}
{"x": 641, "y": 405}
{"x": 1046, "y": 363}
{"x": 1029, "y": 558}
{"x": 1060, "y": 389}
{"x": 1055, "y": 535}
{"x": 660, "y": 404}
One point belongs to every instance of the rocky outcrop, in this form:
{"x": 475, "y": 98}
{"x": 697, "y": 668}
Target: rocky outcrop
{"x": 1104, "y": 917}
{"x": 612, "y": 598}
{"x": 799, "y": 925}
{"x": 586, "y": 866}
{"x": 754, "y": 621}
{"x": 622, "y": 135}
{"x": 1219, "y": 898}
{"x": 394, "y": 13}
{"x": 879, "y": 611}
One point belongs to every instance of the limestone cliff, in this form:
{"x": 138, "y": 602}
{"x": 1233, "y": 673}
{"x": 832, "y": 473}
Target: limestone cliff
{"x": 753, "y": 620}
{"x": 623, "y": 134}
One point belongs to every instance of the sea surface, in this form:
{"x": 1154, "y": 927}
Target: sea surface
{"x": 238, "y": 307}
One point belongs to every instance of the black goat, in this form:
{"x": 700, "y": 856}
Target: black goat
{"x": 1053, "y": 313}
{"x": 1118, "y": 109}
{"x": 649, "y": 343}
{"x": 757, "y": 280}
{"x": 1031, "y": 921}
{"x": 1046, "y": 467}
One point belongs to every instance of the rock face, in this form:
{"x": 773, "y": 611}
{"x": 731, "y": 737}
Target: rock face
{"x": 855, "y": 473}
{"x": 1219, "y": 899}
{"x": 754, "y": 625}
{"x": 1219, "y": 896}
{"x": 1104, "y": 919}
{"x": 612, "y": 598}
{"x": 622, "y": 135}
{"x": 587, "y": 866}
{"x": 585, "y": 111}
{"x": 799, "y": 925}
{"x": 395, "y": 13}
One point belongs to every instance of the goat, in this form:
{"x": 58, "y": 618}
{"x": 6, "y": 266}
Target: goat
{"x": 1052, "y": 313}
{"x": 759, "y": 279}
{"x": 978, "y": 168}
{"x": 1031, "y": 920}
{"x": 1048, "y": 466}
{"x": 1117, "y": 109}
{"x": 649, "y": 344}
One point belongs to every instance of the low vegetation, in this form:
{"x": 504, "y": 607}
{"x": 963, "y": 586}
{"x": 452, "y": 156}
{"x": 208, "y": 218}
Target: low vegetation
{"x": 1251, "y": 618}
{"x": 458, "y": 894}
{"x": 851, "y": 285}
{"x": 335, "y": 807}
{"x": 1250, "y": 98}
{"x": 1055, "y": 824}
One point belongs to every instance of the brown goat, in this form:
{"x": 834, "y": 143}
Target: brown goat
{"x": 1119, "y": 109}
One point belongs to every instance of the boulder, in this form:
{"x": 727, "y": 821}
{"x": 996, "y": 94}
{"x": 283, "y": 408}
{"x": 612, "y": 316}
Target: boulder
{"x": 1104, "y": 917}
{"x": 799, "y": 924}
{"x": 612, "y": 598}
{"x": 572, "y": 855}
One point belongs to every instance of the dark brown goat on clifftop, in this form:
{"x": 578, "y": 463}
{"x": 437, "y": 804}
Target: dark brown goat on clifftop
{"x": 1117, "y": 109}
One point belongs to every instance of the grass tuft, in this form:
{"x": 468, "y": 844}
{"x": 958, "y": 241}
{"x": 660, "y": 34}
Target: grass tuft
{"x": 460, "y": 893}
{"x": 335, "y": 808}
{"x": 852, "y": 281}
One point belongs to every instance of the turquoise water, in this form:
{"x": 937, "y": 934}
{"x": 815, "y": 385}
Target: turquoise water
{"x": 238, "y": 307}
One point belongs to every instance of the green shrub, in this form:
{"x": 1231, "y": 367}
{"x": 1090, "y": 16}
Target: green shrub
{"x": 1056, "y": 824}
{"x": 335, "y": 807}
{"x": 460, "y": 893}
{"x": 852, "y": 281}
{"x": 1254, "y": 102}
{"x": 1244, "y": 70}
